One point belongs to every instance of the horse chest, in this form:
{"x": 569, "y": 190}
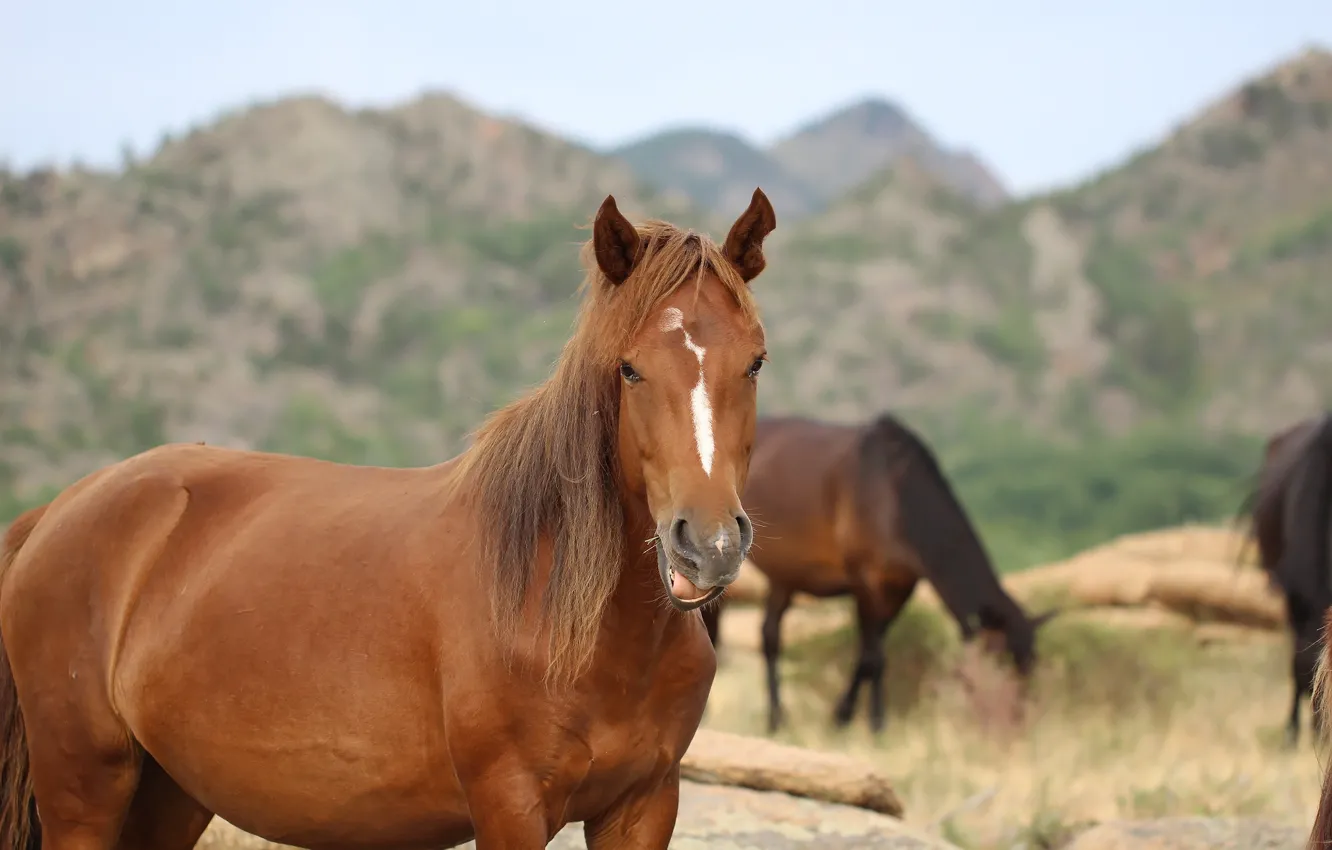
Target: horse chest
{"x": 632, "y": 732}
{"x": 615, "y": 756}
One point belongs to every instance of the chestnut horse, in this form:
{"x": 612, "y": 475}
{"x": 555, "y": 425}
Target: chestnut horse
{"x": 1320, "y": 837}
{"x": 1290, "y": 511}
{"x": 337, "y": 656}
{"x": 866, "y": 510}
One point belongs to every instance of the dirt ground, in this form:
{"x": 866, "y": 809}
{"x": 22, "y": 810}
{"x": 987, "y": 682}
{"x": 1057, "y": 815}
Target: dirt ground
{"x": 1140, "y": 708}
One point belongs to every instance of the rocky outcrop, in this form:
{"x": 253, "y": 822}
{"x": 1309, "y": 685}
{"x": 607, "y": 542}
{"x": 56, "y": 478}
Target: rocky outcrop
{"x": 723, "y": 818}
{"x": 744, "y": 793}
{"x": 718, "y": 817}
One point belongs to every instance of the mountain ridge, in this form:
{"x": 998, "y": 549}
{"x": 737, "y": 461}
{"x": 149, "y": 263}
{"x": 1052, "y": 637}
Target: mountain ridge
{"x": 367, "y": 284}
{"x": 810, "y": 166}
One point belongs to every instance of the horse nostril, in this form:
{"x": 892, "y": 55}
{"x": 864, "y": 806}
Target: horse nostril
{"x": 680, "y": 537}
{"x": 746, "y": 529}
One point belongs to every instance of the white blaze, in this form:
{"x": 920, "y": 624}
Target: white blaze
{"x": 699, "y": 402}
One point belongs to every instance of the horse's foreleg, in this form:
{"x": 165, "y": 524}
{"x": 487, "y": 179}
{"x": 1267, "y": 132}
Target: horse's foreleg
{"x": 894, "y": 599}
{"x": 508, "y": 812}
{"x": 779, "y": 599}
{"x": 642, "y": 821}
{"x": 876, "y": 608}
{"x": 870, "y": 654}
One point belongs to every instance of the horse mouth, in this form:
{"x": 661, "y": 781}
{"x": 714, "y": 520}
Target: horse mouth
{"x": 681, "y": 589}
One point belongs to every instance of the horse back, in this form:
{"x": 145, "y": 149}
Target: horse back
{"x": 802, "y": 495}
{"x": 1277, "y": 476}
{"x": 143, "y": 552}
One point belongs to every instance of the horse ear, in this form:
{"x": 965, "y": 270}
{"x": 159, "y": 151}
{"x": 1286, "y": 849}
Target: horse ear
{"x": 744, "y": 244}
{"x": 1041, "y": 619}
{"x": 615, "y": 242}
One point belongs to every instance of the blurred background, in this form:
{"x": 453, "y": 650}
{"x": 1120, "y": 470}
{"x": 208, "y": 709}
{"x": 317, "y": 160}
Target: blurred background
{"x": 1086, "y": 251}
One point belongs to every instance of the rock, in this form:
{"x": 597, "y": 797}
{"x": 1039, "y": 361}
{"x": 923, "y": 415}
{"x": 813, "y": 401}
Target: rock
{"x": 221, "y": 835}
{"x": 718, "y": 818}
{"x": 744, "y": 793}
{"x": 1183, "y": 833}
{"x": 714, "y": 817}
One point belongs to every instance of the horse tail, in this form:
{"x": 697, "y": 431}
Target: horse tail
{"x": 20, "y": 827}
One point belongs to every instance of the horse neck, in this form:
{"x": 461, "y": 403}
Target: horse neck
{"x": 636, "y": 614}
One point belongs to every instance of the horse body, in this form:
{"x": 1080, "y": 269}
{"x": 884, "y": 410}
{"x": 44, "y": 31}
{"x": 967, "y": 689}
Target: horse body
{"x": 319, "y": 653}
{"x": 808, "y": 507}
{"x": 1291, "y": 515}
{"x": 865, "y": 510}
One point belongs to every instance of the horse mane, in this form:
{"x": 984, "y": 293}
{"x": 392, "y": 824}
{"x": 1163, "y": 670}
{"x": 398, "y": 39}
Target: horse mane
{"x": 546, "y": 465}
{"x": 934, "y": 523}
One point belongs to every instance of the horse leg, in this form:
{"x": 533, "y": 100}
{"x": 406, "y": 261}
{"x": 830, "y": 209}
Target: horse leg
{"x": 162, "y": 816}
{"x": 83, "y": 787}
{"x": 638, "y": 822}
{"x": 1307, "y": 645}
{"x": 779, "y": 599}
{"x": 1293, "y": 724}
{"x": 868, "y": 620}
{"x": 875, "y": 611}
{"x": 895, "y": 598}
{"x": 508, "y": 811}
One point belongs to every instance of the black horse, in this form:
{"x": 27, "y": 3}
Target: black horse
{"x": 1290, "y": 509}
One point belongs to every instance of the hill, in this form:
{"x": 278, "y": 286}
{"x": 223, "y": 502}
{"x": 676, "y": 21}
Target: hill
{"x": 803, "y": 172}
{"x": 838, "y": 151}
{"x": 295, "y": 277}
{"x": 367, "y": 285}
{"x": 716, "y": 170}
{"x": 1145, "y": 292}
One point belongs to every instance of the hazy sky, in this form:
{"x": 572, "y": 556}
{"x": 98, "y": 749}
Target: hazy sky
{"x": 1046, "y": 92}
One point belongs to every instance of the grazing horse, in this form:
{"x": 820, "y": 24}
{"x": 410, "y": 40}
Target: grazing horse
{"x": 1290, "y": 509}
{"x": 338, "y": 656}
{"x": 866, "y": 510}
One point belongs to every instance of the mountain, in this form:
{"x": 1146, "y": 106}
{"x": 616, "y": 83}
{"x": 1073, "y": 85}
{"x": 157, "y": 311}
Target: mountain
{"x": 367, "y": 285}
{"x": 716, "y": 170}
{"x": 841, "y": 150}
{"x": 808, "y": 169}
{"x": 294, "y": 276}
{"x": 1193, "y": 281}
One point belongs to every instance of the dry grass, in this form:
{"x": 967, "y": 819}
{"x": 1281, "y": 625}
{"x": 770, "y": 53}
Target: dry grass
{"x": 1156, "y": 719}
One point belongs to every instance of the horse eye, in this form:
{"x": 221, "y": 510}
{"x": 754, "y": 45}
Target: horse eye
{"x": 754, "y": 369}
{"x": 627, "y": 372}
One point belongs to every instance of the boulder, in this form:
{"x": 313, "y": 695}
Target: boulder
{"x": 721, "y": 817}
{"x": 741, "y": 792}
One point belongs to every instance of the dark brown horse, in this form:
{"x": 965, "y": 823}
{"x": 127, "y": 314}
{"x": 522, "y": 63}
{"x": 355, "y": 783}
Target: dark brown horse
{"x": 1290, "y": 510}
{"x": 865, "y": 510}
{"x": 335, "y": 656}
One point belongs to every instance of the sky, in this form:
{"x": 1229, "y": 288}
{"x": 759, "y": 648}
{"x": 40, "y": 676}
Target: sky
{"x": 1045, "y": 92}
